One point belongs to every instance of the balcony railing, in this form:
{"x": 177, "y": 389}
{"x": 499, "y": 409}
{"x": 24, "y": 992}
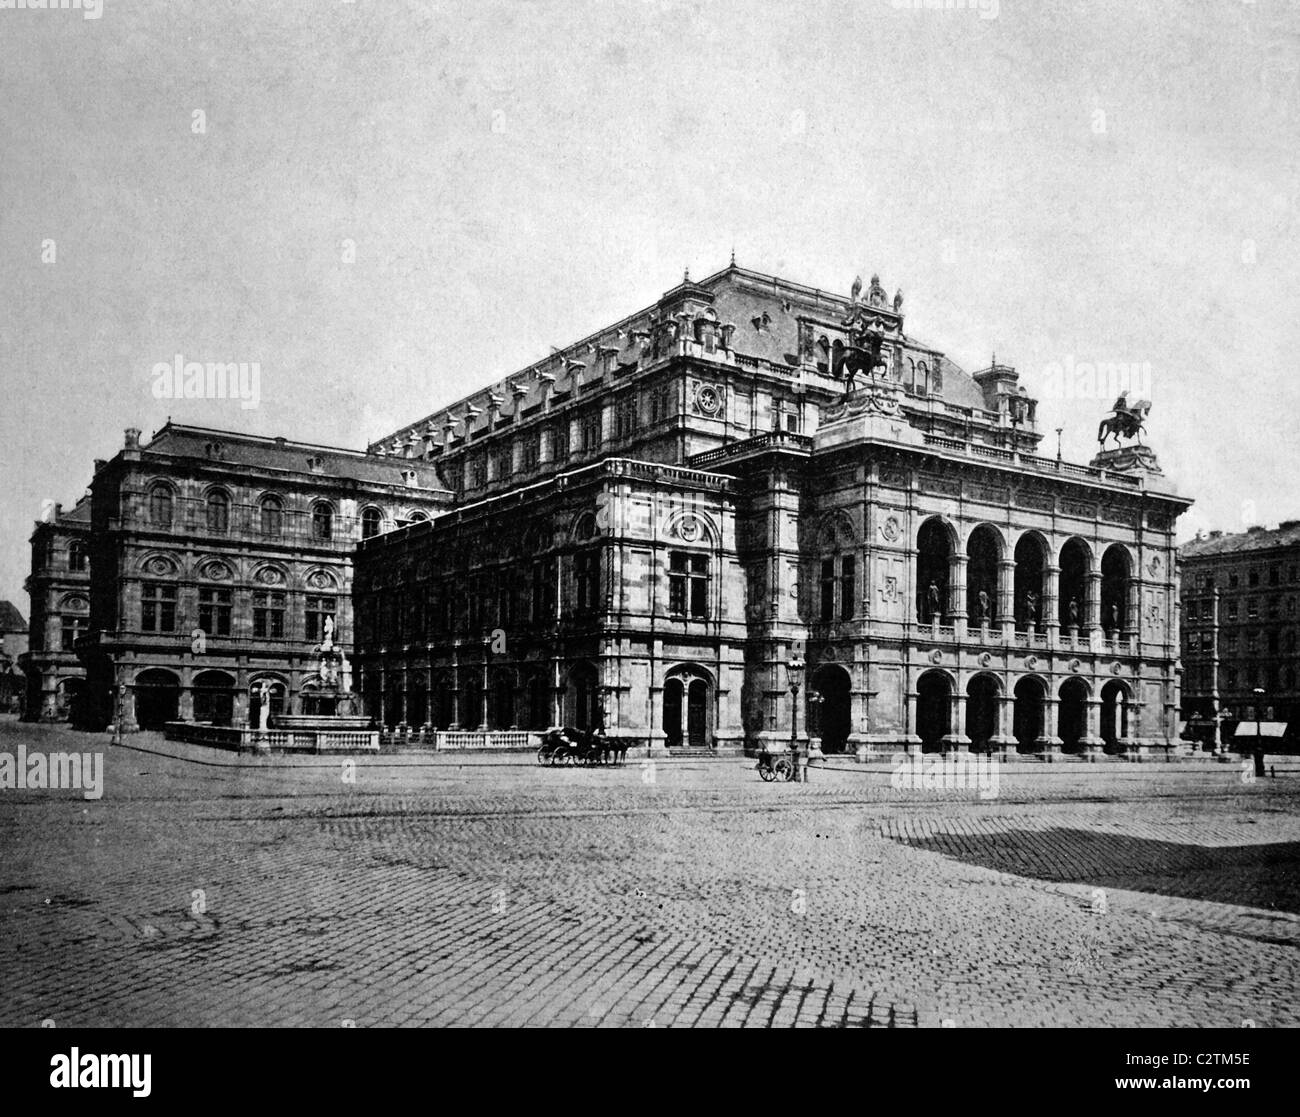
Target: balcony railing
{"x": 1032, "y": 461}
{"x": 772, "y": 440}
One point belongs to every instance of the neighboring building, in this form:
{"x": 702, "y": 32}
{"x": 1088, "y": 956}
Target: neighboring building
{"x": 59, "y": 589}
{"x": 1241, "y": 625}
{"x": 216, "y": 559}
{"x": 652, "y": 526}
{"x": 13, "y": 645}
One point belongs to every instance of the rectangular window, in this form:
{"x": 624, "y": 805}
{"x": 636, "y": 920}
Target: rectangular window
{"x": 529, "y": 451}
{"x": 268, "y": 615}
{"x": 214, "y": 611}
{"x": 1233, "y": 581}
{"x": 318, "y": 608}
{"x": 590, "y": 432}
{"x": 1252, "y": 607}
{"x": 827, "y": 611}
{"x": 454, "y": 475}
{"x": 1232, "y": 610}
{"x": 73, "y": 629}
{"x": 1254, "y": 577}
{"x": 625, "y": 418}
{"x": 586, "y": 569}
{"x": 158, "y": 607}
{"x": 688, "y": 585}
{"x": 1231, "y": 675}
{"x": 1231, "y": 642}
{"x": 1252, "y": 643}
{"x": 1274, "y": 575}
{"x": 848, "y": 579}
{"x": 503, "y": 462}
{"x": 478, "y": 472}
{"x": 561, "y": 442}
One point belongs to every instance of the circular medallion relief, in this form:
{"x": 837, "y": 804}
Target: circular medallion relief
{"x": 319, "y": 580}
{"x": 708, "y": 399}
{"x": 936, "y": 656}
{"x": 160, "y": 565}
{"x": 1075, "y": 665}
{"x": 216, "y": 571}
{"x": 688, "y": 529}
{"x": 1031, "y": 662}
{"x": 891, "y": 529}
{"x": 269, "y": 576}
{"x": 985, "y": 659}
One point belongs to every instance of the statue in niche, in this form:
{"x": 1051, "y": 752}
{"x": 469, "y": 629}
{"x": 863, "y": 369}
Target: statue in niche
{"x": 1073, "y": 611}
{"x": 983, "y": 606}
{"x": 1031, "y": 608}
{"x": 932, "y": 602}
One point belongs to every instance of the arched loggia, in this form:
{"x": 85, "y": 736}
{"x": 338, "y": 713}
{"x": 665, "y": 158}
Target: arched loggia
{"x": 1030, "y": 582}
{"x": 935, "y": 548}
{"x": 983, "y": 552}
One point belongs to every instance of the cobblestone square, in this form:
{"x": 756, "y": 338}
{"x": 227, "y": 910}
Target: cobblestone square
{"x": 208, "y": 889}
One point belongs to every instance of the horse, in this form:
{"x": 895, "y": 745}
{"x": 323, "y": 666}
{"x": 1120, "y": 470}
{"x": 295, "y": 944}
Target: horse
{"x": 1124, "y": 423}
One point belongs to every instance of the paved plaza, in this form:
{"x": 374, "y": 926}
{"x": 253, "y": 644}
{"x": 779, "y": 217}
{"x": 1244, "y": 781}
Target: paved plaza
{"x": 208, "y": 889}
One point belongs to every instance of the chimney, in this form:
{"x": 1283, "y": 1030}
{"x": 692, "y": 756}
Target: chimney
{"x": 133, "y": 438}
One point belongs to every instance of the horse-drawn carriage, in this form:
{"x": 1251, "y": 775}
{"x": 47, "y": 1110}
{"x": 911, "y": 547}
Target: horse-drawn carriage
{"x": 564, "y": 745}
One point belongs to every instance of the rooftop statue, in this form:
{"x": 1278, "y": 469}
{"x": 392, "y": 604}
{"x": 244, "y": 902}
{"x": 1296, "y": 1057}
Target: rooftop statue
{"x": 1125, "y": 421}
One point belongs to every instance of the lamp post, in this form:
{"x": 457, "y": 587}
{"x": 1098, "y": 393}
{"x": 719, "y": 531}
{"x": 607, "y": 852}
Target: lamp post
{"x": 794, "y": 673}
{"x": 1259, "y": 737}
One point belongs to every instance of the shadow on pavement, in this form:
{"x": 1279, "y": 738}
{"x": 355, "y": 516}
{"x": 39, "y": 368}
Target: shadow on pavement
{"x": 1259, "y": 876}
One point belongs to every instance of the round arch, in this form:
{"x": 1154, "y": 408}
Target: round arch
{"x": 1030, "y": 704}
{"x": 1117, "y": 566}
{"x": 157, "y": 694}
{"x": 214, "y": 696}
{"x": 830, "y": 706}
{"x": 934, "y": 691}
{"x": 983, "y": 692}
{"x": 1075, "y": 562}
{"x": 1030, "y": 555}
{"x": 985, "y": 547}
{"x": 936, "y": 545}
{"x": 688, "y": 700}
{"x": 1072, "y": 712}
{"x": 1116, "y": 703}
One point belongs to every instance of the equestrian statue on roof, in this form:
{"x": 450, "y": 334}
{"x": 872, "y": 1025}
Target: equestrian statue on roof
{"x": 1124, "y": 421}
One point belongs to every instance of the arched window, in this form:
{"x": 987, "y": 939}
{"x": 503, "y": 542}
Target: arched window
{"x": 322, "y": 521}
{"x": 218, "y": 511}
{"x": 370, "y": 521}
{"x": 272, "y": 515}
{"x": 160, "y": 506}
{"x": 77, "y": 555}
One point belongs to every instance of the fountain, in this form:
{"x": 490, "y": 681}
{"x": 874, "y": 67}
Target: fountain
{"x": 333, "y": 724}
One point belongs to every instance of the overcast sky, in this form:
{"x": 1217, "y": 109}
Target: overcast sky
{"x": 1072, "y": 181}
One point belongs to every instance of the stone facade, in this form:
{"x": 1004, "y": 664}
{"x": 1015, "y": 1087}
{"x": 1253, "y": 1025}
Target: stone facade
{"x": 215, "y": 560}
{"x": 658, "y": 527}
{"x": 1241, "y": 625}
{"x": 59, "y": 590}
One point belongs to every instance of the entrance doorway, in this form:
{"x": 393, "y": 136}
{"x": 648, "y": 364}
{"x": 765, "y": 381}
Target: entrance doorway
{"x": 157, "y": 698}
{"x": 933, "y": 710}
{"x": 831, "y": 717}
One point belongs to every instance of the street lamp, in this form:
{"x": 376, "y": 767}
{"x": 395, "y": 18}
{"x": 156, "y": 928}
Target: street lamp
{"x": 1259, "y": 736}
{"x": 794, "y": 673}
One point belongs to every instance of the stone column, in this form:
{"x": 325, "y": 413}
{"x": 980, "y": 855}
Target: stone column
{"x": 1091, "y": 744}
{"x": 1050, "y": 743}
{"x": 1123, "y": 740}
{"x": 912, "y": 739}
{"x": 956, "y": 738}
{"x": 1002, "y": 739}
{"x": 1050, "y": 610}
{"x": 957, "y": 592}
{"x": 1132, "y": 625}
{"x": 1006, "y": 599}
{"x": 1092, "y": 602}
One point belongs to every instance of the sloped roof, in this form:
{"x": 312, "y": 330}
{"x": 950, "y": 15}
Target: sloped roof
{"x": 11, "y": 620}
{"x": 764, "y": 309}
{"x": 257, "y": 452}
{"x": 1287, "y": 535}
